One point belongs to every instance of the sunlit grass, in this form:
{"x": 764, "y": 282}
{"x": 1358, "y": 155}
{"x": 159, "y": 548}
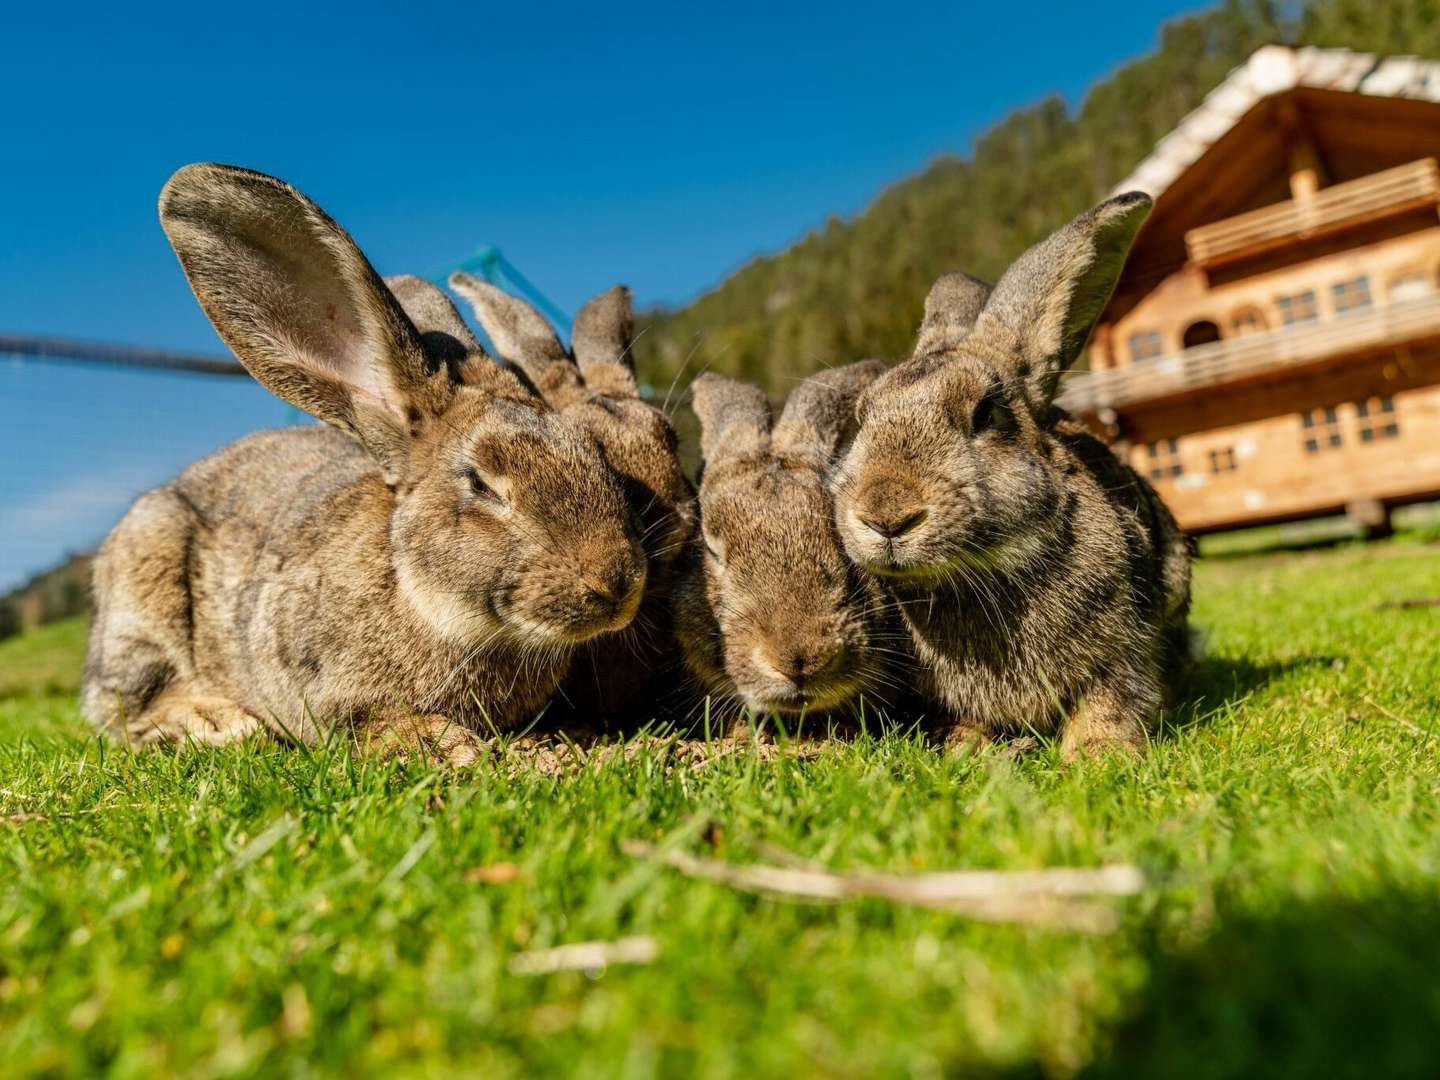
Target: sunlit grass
{"x": 259, "y": 909}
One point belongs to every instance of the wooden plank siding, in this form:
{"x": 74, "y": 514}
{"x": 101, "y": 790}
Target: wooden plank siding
{"x": 1188, "y": 296}
{"x": 1274, "y": 478}
{"x": 1384, "y": 194}
{"x": 1326, "y": 305}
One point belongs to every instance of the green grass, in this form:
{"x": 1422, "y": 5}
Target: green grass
{"x": 261, "y": 910}
{"x": 1419, "y": 521}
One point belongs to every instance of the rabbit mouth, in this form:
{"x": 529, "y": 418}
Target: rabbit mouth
{"x": 974, "y": 556}
{"x": 899, "y": 569}
{"x": 817, "y": 698}
{"x": 578, "y": 632}
{"x": 614, "y": 624}
{"x": 601, "y": 614}
{"x": 908, "y": 571}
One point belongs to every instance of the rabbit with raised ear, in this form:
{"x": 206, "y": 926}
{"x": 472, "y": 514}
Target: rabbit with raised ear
{"x": 768, "y": 611}
{"x": 595, "y": 386}
{"x": 1042, "y": 580}
{"x": 424, "y": 567}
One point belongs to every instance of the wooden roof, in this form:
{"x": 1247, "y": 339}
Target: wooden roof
{"x": 1357, "y": 114}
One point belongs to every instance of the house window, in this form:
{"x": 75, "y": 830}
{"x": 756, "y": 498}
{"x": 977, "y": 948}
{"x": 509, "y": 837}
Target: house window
{"x": 1321, "y": 428}
{"x": 1222, "y": 460}
{"x": 1145, "y": 345}
{"x": 1201, "y": 332}
{"x": 1300, "y": 308}
{"x": 1164, "y": 460}
{"x": 1250, "y": 321}
{"x": 1352, "y": 296}
{"x": 1412, "y": 286}
{"x": 1377, "y": 419}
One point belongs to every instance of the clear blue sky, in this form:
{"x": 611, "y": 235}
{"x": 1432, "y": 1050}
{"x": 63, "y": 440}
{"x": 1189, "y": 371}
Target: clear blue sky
{"x": 661, "y": 146}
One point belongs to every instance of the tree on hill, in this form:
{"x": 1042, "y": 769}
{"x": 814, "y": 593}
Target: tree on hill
{"x": 853, "y": 289}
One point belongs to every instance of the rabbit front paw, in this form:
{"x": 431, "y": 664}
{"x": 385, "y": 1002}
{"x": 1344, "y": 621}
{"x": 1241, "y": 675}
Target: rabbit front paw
{"x": 963, "y": 736}
{"x": 178, "y": 716}
{"x": 1109, "y": 719}
{"x": 399, "y": 734}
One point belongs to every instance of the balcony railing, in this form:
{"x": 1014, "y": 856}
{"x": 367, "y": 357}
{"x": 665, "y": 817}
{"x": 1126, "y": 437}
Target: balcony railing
{"x": 1253, "y": 355}
{"x": 1381, "y": 194}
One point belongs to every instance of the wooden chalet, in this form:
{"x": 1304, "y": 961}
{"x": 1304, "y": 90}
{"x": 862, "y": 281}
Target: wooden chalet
{"x": 1272, "y": 350}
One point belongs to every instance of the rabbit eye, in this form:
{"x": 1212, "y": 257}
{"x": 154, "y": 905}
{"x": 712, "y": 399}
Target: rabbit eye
{"x": 479, "y": 488}
{"x": 983, "y": 416}
{"x": 992, "y": 414}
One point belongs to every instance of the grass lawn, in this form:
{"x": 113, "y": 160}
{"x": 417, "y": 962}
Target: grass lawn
{"x": 260, "y": 910}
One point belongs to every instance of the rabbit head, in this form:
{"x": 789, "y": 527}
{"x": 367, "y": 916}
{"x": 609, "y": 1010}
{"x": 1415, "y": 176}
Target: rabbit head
{"x": 506, "y": 522}
{"x": 768, "y": 607}
{"x": 595, "y": 386}
{"x": 954, "y": 466}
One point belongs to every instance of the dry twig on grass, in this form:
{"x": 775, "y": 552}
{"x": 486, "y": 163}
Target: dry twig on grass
{"x": 584, "y": 955}
{"x": 1059, "y": 897}
{"x": 1383, "y": 711}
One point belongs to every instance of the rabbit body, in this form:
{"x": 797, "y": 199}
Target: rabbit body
{"x": 428, "y": 569}
{"x": 1042, "y": 581}
{"x": 769, "y": 612}
{"x": 618, "y": 678}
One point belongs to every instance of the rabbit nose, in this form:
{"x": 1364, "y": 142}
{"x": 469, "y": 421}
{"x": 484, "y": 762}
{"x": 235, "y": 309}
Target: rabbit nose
{"x": 607, "y": 595}
{"x": 890, "y": 508}
{"x": 809, "y": 665}
{"x": 893, "y": 524}
{"x": 613, "y": 589}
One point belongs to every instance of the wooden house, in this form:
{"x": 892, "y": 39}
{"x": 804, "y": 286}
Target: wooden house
{"x": 1272, "y": 350}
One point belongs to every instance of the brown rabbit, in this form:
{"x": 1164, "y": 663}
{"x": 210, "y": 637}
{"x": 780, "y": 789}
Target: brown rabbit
{"x": 768, "y": 611}
{"x": 1043, "y": 582}
{"x": 617, "y": 676}
{"x": 424, "y": 571}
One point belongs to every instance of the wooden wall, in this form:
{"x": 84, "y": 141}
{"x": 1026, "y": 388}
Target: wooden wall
{"x": 1188, "y": 296}
{"x": 1275, "y": 478}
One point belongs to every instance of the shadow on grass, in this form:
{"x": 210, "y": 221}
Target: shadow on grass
{"x": 1214, "y": 684}
{"x": 1335, "y": 990}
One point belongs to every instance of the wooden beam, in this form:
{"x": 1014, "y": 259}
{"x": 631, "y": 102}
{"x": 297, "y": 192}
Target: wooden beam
{"x": 1347, "y": 380}
{"x": 1303, "y": 159}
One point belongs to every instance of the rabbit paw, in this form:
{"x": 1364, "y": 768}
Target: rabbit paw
{"x": 201, "y": 719}
{"x": 966, "y": 737}
{"x": 401, "y": 735}
{"x": 1102, "y": 724}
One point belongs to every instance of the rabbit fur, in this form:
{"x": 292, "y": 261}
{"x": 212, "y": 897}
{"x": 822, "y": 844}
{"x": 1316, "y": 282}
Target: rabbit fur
{"x": 615, "y": 679}
{"x": 1043, "y": 582}
{"x": 423, "y": 567}
{"x": 769, "y": 612}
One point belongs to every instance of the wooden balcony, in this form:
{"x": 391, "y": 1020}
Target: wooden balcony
{"x": 1255, "y": 356}
{"x": 1329, "y": 210}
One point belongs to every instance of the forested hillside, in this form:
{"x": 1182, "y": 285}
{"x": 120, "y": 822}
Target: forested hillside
{"x": 855, "y": 288}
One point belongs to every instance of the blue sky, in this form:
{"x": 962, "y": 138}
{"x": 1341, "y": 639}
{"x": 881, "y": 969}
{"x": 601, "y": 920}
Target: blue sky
{"x": 657, "y": 145}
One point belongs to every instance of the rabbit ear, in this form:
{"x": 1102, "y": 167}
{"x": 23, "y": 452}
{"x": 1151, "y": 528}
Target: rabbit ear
{"x": 448, "y": 340}
{"x": 444, "y": 334}
{"x": 604, "y": 329}
{"x": 734, "y": 417}
{"x": 295, "y": 299}
{"x": 1047, "y": 303}
{"x": 523, "y": 337}
{"x": 820, "y": 416}
{"x": 954, "y": 303}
